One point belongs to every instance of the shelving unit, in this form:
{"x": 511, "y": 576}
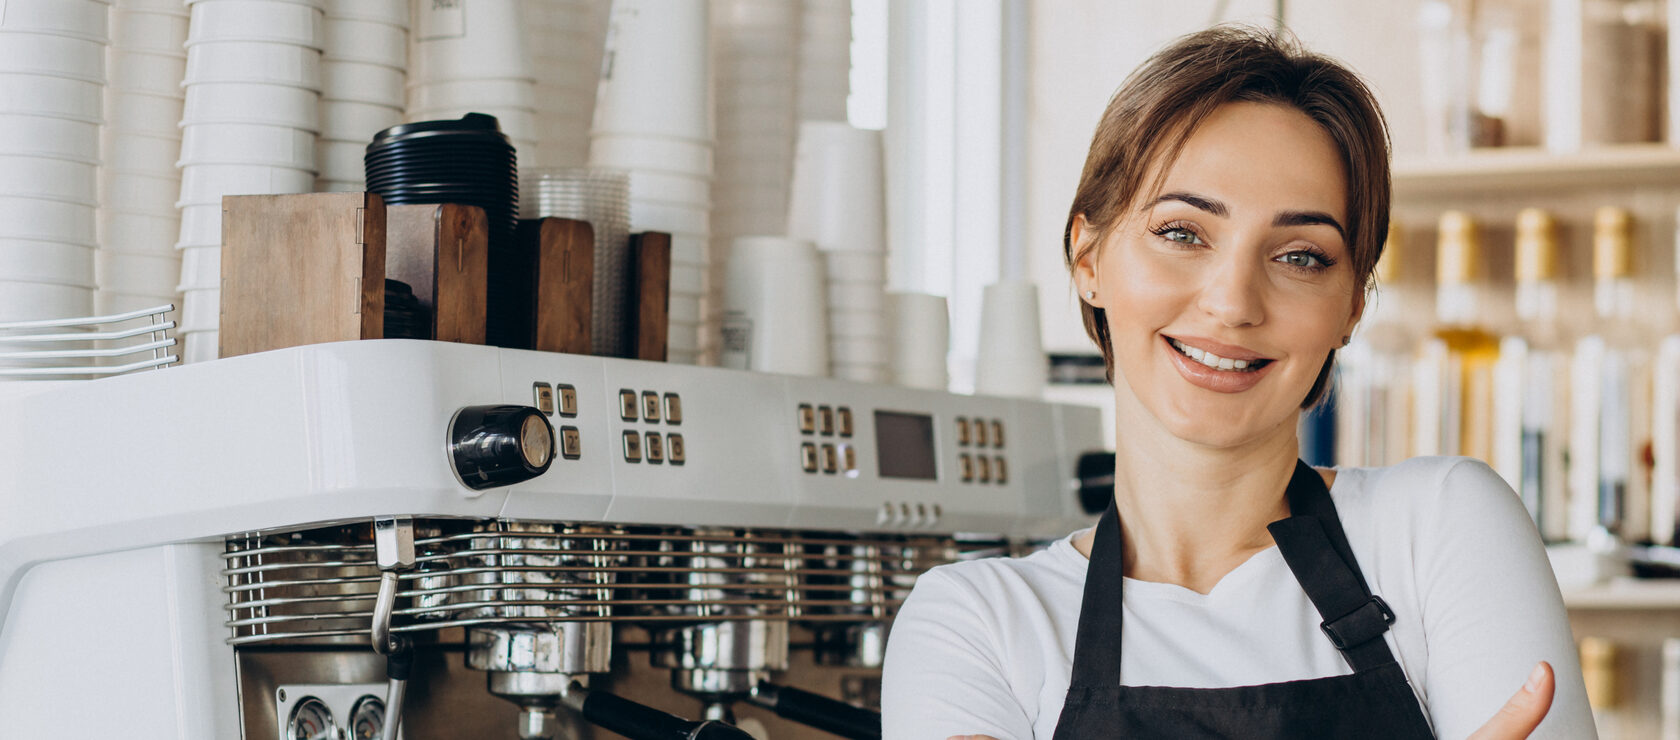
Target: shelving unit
{"x": 1626, "y": 594}
{"x": 1485, "y": 170}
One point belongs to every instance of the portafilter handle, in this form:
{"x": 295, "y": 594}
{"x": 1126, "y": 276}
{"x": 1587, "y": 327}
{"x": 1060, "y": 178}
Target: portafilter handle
{"x": 642, "y": 722}
{"x": 829, "y": 715}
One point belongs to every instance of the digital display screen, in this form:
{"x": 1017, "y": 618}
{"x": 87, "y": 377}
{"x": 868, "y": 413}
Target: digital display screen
{"x": 904, "y": 445}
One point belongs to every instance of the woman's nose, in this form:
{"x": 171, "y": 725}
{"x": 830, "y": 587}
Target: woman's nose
{"x": 1232, "y": 292}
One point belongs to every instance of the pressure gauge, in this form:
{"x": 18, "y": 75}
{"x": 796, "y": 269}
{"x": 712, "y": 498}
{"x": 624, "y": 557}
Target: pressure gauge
{"x": 494, "y": 446}
{"x": 311, "y": 720}
{"x": 367, "y": 720}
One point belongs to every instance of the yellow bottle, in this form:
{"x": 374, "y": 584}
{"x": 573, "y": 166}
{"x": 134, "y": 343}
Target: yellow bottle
{"x": 1374, "y": 383}
{"x": 1455, "y": 371}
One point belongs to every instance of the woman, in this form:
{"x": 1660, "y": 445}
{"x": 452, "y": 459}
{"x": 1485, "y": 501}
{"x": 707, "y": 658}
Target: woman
{"x": 1230, "y": 213}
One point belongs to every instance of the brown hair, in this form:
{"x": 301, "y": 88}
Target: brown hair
{"x": 1159, "y": 105}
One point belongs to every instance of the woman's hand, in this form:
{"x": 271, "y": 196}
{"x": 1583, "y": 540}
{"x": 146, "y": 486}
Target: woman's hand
{"x": 1523, "y": 712}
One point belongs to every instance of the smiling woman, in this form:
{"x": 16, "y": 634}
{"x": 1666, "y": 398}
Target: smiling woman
{"x": 1223, "y": 235}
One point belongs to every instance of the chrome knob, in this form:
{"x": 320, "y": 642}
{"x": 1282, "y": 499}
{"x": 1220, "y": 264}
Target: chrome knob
{"x": 493, "y": 446}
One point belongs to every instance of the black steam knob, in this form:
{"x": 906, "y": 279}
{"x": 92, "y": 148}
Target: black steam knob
{"x": 494, "y": 446}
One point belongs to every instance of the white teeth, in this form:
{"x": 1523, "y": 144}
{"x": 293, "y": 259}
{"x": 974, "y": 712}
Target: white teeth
{"x": 1212, "y": 360}
{"x": 1240, "y": 364}
{"x": 1227, "y": 364}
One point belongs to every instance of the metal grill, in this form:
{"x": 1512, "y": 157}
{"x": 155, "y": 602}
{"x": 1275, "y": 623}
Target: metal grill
{"x": 321, "y": 583}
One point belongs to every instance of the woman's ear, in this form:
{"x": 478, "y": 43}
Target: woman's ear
{"x": 1082, "y": 237}
{"x": 1359, "y": 296}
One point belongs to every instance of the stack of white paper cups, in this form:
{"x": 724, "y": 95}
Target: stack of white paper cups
{"x": 775, "y": 316}
{"x": 838, "y": 202}
{"x": 825, "y": 59}
{"x": 253, "y": 85}
{"x": 566, "y": 40}
{"x": 601, "y": 198}
{"x": 921, "y": 338}
{"x": 52, "y": 63}
{"x": 362, "y": 75}
{"x": 470, "y": 57}
{"x": 653, "y": 120}
{"x": 1011, "y": 361}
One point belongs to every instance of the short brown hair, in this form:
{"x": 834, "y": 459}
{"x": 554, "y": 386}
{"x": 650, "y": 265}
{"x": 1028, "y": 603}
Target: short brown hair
{"x": 1159, "y": 105}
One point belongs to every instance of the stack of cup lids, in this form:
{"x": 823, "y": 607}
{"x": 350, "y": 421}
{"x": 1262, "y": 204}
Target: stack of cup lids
{"x": 602, "y": 199}
{"x": 567, "y": 38}
{"x": 137, "y": 265}
{"x": 838, "y": 202}
{"x": 470, "y": 57}
{"x": 825, "y": 59}
{"x": 362, "y": 76}
{"x": 253, "y": 84}
{"x": 52, "y": 63}
{"x": 653, "y": 120}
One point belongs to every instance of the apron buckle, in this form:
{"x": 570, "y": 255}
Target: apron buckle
{"x": 1359, "y": 626}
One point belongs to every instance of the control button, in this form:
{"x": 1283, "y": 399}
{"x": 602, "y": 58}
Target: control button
{"x": 830, "y": 459}
{"x": 632, "y": 446}
{"x": 673, "y": 408}
{"x": 825, "y": 421}
{"x": 656, "y": 448}
{"x": 807, "y": 418}
{"x": 848, "y": 458}
{"x": 979, "y": 433}
{"x": 674, "y": 449}
{"x": 568, "y": 400}
{"x": 545, "y": 398}
{"x": 985, "y": 466}
{"x": 650, "y": 407}
{"x": 997, "y": 433}
{"x": 903, "y": 514}
{"x": 1000, "y": 470}
{"x": 921, "y": 516}
{"x": 966, "y": 463}
{"x": 884, "y": 515}
{"x": 962, "y": 431}
{"x": 808, "y": 456}
{"x": 844, "y": 414}
{"x": 571, "y": 443}
{"x": 627, "y": 404}
{"x": 934, "y": 513}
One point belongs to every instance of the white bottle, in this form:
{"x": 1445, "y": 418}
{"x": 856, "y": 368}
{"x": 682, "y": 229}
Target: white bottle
{"x": 1531, "y": 396}
{"x": 1373, "y": 391}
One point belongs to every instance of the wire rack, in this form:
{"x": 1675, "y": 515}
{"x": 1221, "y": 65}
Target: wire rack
{"x": 322, "y": 582}
{"x": 88, "y": 347}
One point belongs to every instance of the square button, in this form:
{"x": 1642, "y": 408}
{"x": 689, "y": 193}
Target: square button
{"x": 674, "y": 449}
{"x": 545, "y": 398}
{"x": 673, "y": 408}
{"x": 825, "y": 421}
{"x": 1000, "y": 470}
{"x": 844, "y": 418}
{"x": 997, "y": 433}
{"x": 571, "y": 443}
{"x": 966, "y": 464}
{"x": 650, "y": 407}
{"x": 568, "y": 400}
{"x": 962, "y": 431}
{"x": 808, "y": 457}
{"x": 985, "y": 466}
{"x": 979, "y": 433}
{"x": 807, "y": 418}
{"x": 627, "y": 404}
{"x": 830, "y": 459}
{"x": 632, "y": 446}
{"x": 848, "y": 458}
{"x": 656, "y": 448}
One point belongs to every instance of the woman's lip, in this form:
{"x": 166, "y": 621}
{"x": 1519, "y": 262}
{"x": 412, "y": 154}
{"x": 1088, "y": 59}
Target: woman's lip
{"x": 1218, "y": 381}
{"x": 1227, "y": 351}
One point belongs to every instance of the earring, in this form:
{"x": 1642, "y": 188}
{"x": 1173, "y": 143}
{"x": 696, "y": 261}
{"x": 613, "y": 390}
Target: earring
{"x": 1089, "y": 294}
{"x": 1347, "y": 339}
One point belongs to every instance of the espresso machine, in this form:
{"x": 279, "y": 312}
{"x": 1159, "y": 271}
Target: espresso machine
{"x": 414, "y": 539}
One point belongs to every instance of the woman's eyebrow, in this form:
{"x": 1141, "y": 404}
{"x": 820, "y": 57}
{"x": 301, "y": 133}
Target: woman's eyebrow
{"x": 1308, "y": 218}
{"x": 1199, "y": 202}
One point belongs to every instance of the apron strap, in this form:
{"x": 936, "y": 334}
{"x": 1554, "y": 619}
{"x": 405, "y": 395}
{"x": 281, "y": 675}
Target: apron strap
{"x": 1315, "y": 547}
{"x": 1096, "y": 648}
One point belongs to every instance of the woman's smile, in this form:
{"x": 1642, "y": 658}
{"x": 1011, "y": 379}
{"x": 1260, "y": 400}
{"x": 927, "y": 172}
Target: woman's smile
{"x": 1215, "y": 372}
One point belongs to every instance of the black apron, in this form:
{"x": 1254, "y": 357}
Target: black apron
{"x": 1373, "y": 702}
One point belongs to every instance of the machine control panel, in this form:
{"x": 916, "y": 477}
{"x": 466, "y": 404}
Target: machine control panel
{"x": 330, "y": 711}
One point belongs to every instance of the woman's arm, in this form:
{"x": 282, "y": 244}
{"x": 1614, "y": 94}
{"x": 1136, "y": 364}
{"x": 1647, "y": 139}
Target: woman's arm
{"x": 944, "y": 674}
{"x": 1491, "y": 608}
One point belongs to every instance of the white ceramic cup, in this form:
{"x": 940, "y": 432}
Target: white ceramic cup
{"x": 370, "y": 42}
{"x": 147, "y": 274}
{"x": 366, "y": 83}
{"x": 240, "y": 61}
{"x": 256, "y": 20}
{"x": 1011, "y": 359}
{"x": 775, "y": 319}
{"x": 144, "y": 113}
{"x": 28, "y": 261}
{"x": 920, "y": 340}
{"x": 54, "y": 97}
{"x": 147, "y": 72}
{"x": 659, "y": 81}
{"x": 246, "y": 143}
{"x": 52, "y": 179}
{"x": 56, "y": 138}
{"x": 24, "y": 52}
{"x": 837, "y": 197}
{"x": 31, "y": 217}
{"x": 138, "y": 192}
{"x": 252, "y": 102}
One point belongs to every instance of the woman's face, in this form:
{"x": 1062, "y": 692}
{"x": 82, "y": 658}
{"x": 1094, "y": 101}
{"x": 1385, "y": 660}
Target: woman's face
{"x": 1240, "y": 259}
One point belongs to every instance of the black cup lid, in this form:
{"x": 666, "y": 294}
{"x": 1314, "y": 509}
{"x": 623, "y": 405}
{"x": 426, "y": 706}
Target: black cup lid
{"x": 472, "y": 124}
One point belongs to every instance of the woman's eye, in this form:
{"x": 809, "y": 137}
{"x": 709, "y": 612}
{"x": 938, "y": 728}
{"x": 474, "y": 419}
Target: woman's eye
{"x": 1301, "y": 259}
{"x": 1182, "y": 236}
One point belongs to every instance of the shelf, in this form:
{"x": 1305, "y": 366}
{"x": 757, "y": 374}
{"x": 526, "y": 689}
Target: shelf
{"x": 1530, "y": 169}
{"x": 1626, "y": 593}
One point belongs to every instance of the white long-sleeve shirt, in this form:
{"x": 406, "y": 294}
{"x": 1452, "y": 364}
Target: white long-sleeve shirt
{"x": 986, "y": 646}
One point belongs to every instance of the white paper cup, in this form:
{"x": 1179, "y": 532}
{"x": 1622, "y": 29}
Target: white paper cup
{"x": 669, "y": 188}
{"x": 775, "y": 318}
{"x": 390, "y": 12}
{"x": 201, "y": 268}
{"x": 659, "y": 80}
{"x": 152, "y": 232}
{"x": 144, "y": 113}
{"x": 138, "y": 192}
{"x": 650, "y": 153}
{"x": 858, "y": 350}
{"x": 921, "y": 338}
{"x": 38, "y": 136}
{"x": 860, "y": 373}
{"x": 340, "y": 186}
{"x": 30, "y": 217}
{"x": 844, "y": 296}
{"x": 365, "y": 41}
{"x": 351, "y": 121}
{"x": 201, "y": 310}
{"x": 341, "y": 160}
{"x": 367, "y": 83}
{"x": 857, "y": 324}
{"x": 856, "y": 267}
{"x": 837, "y": 197}
{"x": 21, "y": 301}
{"x": 233, "y": 61}
{"x": 199, "y": 346}
{"x": 244, "y": 143}
{"x": 59, "y": 56}
{"x": 476, "y": 39}
{"x": 147, "y": 72}
{"x": 207, "y": 183}
{"x": 52, "y": 179}
{"x": 135, "y": 151}
{"x": 682, "y": 339}
{"x": 144, "y": 30}
{"x": 256, "y": 20}
{"x": 81, "y": 19}
{"x": 687, "y": 279}
{"x": 656, "y": 216}
{"x": 1011, "y": 360}
{"x": 201, "y": 226}
{"x": 137, "y": 273}
{"x": 28, "y": 261}
{"x": 687, "y": 249}
{"x": 447, "y": 94}
{"x": 54, "y": 97}
{"x": 253, "y": 102}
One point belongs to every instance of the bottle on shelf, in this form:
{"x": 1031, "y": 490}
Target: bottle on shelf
{"x": 1532, "y": 390}
{"x": 1599, "y": 657}
{"x": 1665, "y": 439}
{"x": 1374, "y": 390}
{"x": 1454, "y": 374}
